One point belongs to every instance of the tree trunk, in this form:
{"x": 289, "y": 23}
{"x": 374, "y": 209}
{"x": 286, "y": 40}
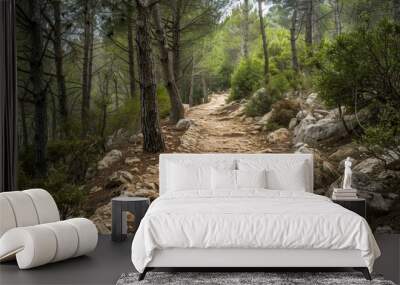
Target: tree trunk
{"x": 264, "y": 41}
{"x": 39, "y": 90}
{"x": 59, "y": 64}
{"x": 204, "y": 87}
{"x": 246, "y": 12}
{"x": 338, "y": 22}
{"x": 25, "y": 141}
{"x": 153, "y": 140}
{"x": 176, "y": 37}
{"x": 87, "y": 67}
{"x": 131, "y": 51}
{"x": 53, "y": 117}
{"x": 177, "y": 110}
{"x": 191, "y": 87}
{"x": 293, "y": 38}
{"x": 316, "y": 15}
{"x": 104, "y": 104}
{"x": 115, "y": 79}
{"x": 396, "y": 10}
{"x": 309, "y": 23}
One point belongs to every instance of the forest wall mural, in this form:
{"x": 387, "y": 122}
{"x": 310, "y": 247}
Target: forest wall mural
{"x": 105, "y": 86}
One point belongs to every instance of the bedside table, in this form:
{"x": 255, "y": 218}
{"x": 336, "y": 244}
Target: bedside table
{"x": 136, "y": 205}
{"x": 358, "y": 206}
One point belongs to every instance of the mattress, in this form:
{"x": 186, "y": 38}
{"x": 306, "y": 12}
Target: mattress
{"x": 251, "y": 219}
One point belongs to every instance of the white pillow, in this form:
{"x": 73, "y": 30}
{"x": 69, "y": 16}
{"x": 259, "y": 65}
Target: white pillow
{"x": 295, "y": 180}
{"x": 181, "y": 177}
{"x": 251, "y": 178}
{"x": 223, "y": 179}
{"x": 193, "y": 174}
{"x": 282, "y": 174}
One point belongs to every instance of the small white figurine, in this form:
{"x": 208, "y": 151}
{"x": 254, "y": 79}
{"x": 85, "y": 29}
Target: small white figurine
{"x": 347, "y": 174}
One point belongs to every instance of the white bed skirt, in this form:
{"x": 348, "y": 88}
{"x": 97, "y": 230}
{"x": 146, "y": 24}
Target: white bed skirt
{"x": 190, "y": 257}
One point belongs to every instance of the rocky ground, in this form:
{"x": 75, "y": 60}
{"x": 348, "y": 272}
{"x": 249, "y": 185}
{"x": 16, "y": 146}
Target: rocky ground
{"x": 220, "y": 127}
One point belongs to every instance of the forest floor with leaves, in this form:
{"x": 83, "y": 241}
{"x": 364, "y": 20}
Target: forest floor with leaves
{"x": 216, "y": 126}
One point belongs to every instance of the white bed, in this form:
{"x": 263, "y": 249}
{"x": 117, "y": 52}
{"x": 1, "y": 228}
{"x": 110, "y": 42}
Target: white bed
{"x": 222, "y": 225}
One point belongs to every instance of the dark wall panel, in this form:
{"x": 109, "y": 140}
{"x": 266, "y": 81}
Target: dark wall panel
{"x": 8, "y": 97}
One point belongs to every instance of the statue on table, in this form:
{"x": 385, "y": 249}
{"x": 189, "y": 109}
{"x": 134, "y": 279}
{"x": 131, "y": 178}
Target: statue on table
{"x": 347, "y": 174}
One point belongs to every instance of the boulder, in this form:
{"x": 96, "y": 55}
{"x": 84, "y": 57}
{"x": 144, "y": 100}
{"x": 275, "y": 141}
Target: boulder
{"x": 132, "y": 160}
{"x": 321, "y": 112}
{"x": 119, "y": 136}
{"x": 324, "y": 171}
{"x": 311, "y": 99}
{"x": 135, "y": 170}
{"x": 279, "y": 136}
{"x": 153, "y": 169}
{"x": 110, "y": 158}
{"x": 333, "y": 114}
{"x": 369, "y": 166}
{"x": 292, "y": 124}
{"x": 118, "y": 178}
{"x": 265, "y": 119}
{"x": 127, "y": 188}
{"x": 312, "y": 131}
{"x": 95, "y": 189}
{"x": 183, "y": 124}
{"x": 136, "y": 138}
{"x": 102, "y": 219}
{"x": 301, "y": 115}
{"x": 238, "y": 112}
{"x": 151, "y": 185}
{"x": 344, "y": 151}
{"x": 299, "y": 130}
{"x": 151, "y": 194}
{"x": 378, "y": 192}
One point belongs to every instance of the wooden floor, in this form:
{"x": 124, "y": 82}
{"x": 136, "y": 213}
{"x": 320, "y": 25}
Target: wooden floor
{"x": 110, "y": 260}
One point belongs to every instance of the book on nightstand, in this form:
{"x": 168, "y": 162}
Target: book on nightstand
{"x": 344, "y": 194}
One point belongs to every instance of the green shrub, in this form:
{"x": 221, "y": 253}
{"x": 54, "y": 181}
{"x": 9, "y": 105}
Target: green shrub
{"x": 283, "y": 111}
{"x": 246, "y": 79}
{"x": 260, "y": 102}
{"x": 69, "y": 197}
{"x": 127, "y": 116}
{"x": 71, "y": 157}
{"x": 279, "y": 83}
{"x": 287, "y": 80}
{"x": 361, "y": 70}
{"x": 164, "y": 104}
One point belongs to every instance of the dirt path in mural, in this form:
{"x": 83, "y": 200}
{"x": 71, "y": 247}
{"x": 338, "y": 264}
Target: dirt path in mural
{"x": 221, "y": 127}
{"x": 216, "y": 127}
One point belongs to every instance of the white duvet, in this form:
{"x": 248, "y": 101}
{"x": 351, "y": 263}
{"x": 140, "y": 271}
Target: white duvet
{"x": 250, "y": 219}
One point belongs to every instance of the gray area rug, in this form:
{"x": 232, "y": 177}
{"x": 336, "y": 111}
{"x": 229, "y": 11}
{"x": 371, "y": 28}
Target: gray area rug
{"x": 269, "y": 278}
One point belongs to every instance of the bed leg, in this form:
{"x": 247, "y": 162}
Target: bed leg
{"x": 365, "y": 272}
{"x": 142, "y": 275}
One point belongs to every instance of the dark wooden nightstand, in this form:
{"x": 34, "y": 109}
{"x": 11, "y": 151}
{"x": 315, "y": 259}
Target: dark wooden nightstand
{"x": 358, "y": 206}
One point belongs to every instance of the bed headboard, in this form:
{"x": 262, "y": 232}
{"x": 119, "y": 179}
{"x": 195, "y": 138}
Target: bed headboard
{"x": 209, "y": 158}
